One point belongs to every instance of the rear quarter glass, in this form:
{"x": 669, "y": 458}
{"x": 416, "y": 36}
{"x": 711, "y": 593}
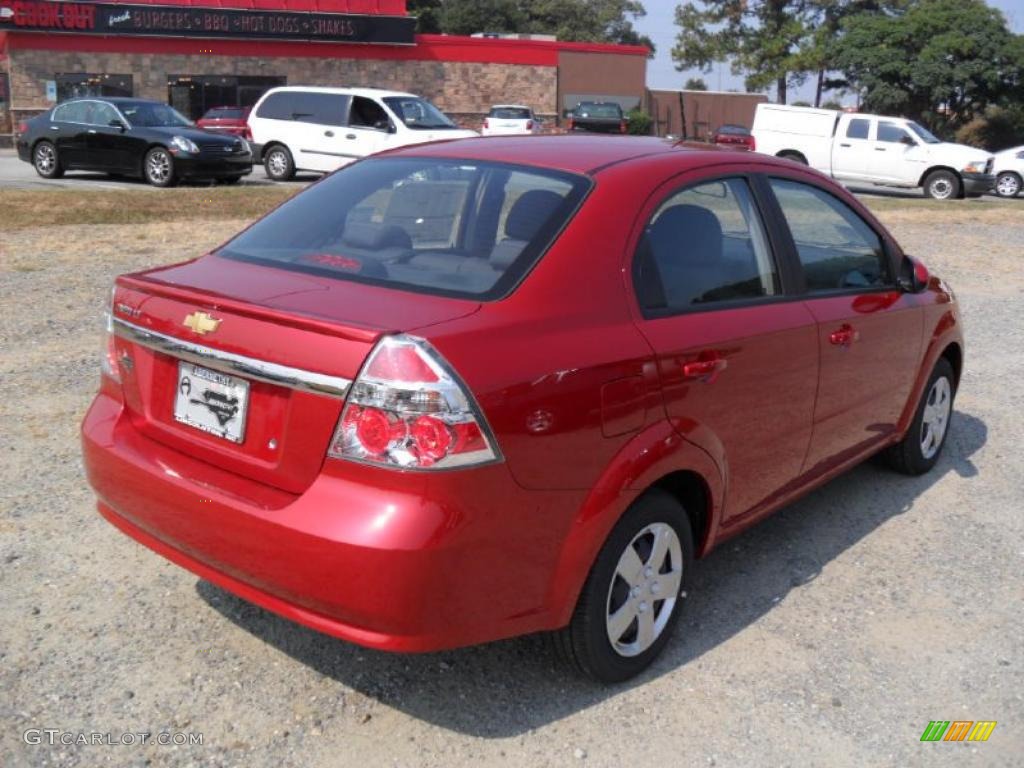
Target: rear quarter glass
{"x": 466, "y": 229}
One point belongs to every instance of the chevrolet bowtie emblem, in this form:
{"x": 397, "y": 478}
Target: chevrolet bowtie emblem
{"x": 201, "y": 323}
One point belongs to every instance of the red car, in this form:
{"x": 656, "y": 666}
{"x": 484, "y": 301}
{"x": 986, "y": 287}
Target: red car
{"x": 231, "y": 120}
{"x": 736, "y": 136}
{"x": 474, "y": 389}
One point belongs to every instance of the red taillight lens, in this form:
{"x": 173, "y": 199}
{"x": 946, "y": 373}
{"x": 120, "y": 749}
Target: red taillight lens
{"x": 529, "y": 125}
{"x": 108, "y": 348}
{"x": 408, "y": 410}
{"x": 487, "y": 123}
{"x": 572, "y": 124}
{"x": 623, "y": 127}
{"x": 22, "y": 127}
{"x": 752, "y": 143}
{"x": 248, "y": 133}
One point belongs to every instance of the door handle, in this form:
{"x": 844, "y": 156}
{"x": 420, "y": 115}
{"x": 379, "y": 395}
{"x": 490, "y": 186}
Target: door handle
{"x": 845, "y": 145}
{"x": 328, "y": 133}
{"x": 350, "y": 136}
{"x": 706, "y": 367}
{"x": 880, "y": 149}
{"x": 844, "y": 336}
{"x": 92, "y": 130}
{"x": 54, "y": 127}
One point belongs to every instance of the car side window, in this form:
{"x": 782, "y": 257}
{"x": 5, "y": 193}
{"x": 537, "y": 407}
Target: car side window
{"x": 305, "y": 107}
{"x": 891, "y": 132}
{"x": 858, "y": 128}
{"x": 367, "y": 113}
{"x": 70, "y": 113}
{"x": 837, "y": 249}
{"x": 705, "y": 244}
{"x": 103, "y": 114}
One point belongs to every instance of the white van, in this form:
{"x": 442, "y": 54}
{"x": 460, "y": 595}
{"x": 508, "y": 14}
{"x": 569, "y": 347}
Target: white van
{"x": 322, "y": 129}
{"x": 855, "y": 147}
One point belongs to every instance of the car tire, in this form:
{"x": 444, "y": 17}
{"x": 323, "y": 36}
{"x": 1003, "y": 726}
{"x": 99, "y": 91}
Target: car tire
{"x": 942, "y": 185}
{"x": 46, "y": 161}
{"x": 1008, "y": 184}
{"x": 278, "y": 163}
{"x": 921, "y": 447}
{"x": 158, "y": 167}
{"x": 644, "y": 629}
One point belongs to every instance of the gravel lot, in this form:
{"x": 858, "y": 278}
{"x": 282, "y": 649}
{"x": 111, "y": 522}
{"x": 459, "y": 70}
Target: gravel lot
{"x": 828, "y": 635}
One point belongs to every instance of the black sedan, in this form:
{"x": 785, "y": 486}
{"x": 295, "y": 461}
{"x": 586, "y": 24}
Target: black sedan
{"x": 129, "y": 137}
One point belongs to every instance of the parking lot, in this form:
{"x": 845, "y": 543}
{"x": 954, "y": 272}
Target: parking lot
{"x": 830, "y": 634}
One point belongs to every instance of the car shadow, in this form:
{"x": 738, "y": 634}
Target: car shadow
{"x": 734, "y": 586}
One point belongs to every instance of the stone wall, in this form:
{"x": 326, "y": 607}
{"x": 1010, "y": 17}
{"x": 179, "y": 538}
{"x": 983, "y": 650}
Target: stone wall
{"x": 459, "y": 88}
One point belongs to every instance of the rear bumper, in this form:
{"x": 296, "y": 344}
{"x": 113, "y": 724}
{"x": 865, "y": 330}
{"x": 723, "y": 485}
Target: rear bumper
{"x": 24, "y": 152}
{"x": 201, "y": 167}
{"x": 388, "y": 560}
{"x": 978, "y": 183}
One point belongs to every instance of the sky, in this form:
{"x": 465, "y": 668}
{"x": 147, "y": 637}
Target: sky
{"x": 659, "y": 25}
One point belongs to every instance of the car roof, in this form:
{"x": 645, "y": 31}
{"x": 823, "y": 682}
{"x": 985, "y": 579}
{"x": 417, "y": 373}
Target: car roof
{"x": 586, "y": 154}
{"x": 509, "y": 106}
{"x": 369, "y": 92}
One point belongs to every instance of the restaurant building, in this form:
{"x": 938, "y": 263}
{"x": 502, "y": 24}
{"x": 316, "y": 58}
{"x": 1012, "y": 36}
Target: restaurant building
{"x": 197, "y": 54}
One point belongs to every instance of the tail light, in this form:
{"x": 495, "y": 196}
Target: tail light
{"x": 247, "y": 133}
{"x": 752, "y": 143}
{"x": 622, "y": 127}
{"x": 529, "y": 125}
{"x": 408, "y": 409}
{"x": 572, "y": 124}
{"x": 108, "y": 351}
{"x": 487, "y": 123}
{"x": 22, "y": 127}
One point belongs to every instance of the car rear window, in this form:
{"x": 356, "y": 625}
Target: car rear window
{"x": 457, "y": 228}
{"x": 510, "y": 113}
{"x": 224, "y": 113}
{"x": 600, "y": 110}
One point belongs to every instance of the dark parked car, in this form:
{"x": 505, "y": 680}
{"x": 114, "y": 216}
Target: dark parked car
{"x": 598, "y": 117}
{"x": 735, "y": 136}
{"x": 232, "y": 120}
{"x": 133, "y": 137}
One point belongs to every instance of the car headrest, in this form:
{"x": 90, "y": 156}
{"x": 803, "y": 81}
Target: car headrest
{"x": 375, "y": 237}
{"x": 530, "y": 212}
{"x": 692, "y": 227}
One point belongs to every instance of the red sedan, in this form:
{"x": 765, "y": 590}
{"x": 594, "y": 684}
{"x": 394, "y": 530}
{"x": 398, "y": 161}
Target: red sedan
{"x": 481, "y": 388}
{"x": 230, "y": 120}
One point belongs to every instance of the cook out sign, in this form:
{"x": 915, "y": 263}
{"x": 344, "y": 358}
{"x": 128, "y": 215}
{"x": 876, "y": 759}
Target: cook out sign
{"x": 42, "y": 15}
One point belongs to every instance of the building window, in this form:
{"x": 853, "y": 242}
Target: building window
{"x": 193, "y": 95}
{"x": 71, "y": 85}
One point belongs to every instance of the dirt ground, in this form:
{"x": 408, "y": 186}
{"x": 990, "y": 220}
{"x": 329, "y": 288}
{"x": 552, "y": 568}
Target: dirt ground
{"x": 831, "y": 634}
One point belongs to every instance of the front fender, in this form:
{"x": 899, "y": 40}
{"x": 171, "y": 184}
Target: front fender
{"x": 657, "y": 451}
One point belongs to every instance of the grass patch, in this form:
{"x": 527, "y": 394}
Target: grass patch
{"x": 26, "y": 209}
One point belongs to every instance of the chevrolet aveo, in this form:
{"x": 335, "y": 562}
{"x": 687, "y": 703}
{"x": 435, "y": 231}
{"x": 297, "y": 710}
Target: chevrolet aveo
{"x": 476, "y": 389}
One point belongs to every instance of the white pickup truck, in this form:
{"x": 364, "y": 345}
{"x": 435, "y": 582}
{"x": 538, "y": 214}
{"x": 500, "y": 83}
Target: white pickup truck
{"x": 854, "y": 147}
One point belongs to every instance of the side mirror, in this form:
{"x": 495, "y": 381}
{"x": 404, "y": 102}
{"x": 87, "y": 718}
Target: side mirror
{"x": 392, "y": 128}
{"x": 908, "y": 141}
{"x": 115, "y": 123}
{"x": 914, "y": 276}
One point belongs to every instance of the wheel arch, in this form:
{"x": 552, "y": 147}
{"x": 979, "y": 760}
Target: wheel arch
{"x": 149, "y": 148}
{"x": 792, "y": 153}
{"x": 934, "y": 168}
{"x": 656, "y": 458}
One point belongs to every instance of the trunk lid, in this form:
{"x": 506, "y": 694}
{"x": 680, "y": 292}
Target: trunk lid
{"x": 294, "y": 339}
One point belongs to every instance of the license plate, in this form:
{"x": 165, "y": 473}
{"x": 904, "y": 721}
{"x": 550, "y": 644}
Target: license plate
{"x": 211, "y": 401}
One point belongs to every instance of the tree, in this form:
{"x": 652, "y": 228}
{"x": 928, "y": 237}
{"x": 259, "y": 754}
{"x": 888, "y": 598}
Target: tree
{"x": 941, "y": 61}
{"x": 427, "y": 13}
{"x": 762, "y": 38}
{"x": 608, "y": 21}
{"x": 695, "y": 84}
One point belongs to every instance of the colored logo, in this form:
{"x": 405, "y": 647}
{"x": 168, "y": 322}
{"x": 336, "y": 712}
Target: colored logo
{"x": 958, "y": 730}
{"x": 201, "y": 323}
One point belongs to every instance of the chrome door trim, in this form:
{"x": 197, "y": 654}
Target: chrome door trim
{"x": 238, "y": 365}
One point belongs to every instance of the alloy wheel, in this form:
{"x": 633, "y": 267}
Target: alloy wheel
{"x": 1008, "y": 185}
{"x": 644, "y": 589}
{"x": 935, "y": 418}
{"x": 941, "y": 189}
{"x": 46, "y": 158}
{"x": 158, "y": 167}
{"x": 277, "y": 163}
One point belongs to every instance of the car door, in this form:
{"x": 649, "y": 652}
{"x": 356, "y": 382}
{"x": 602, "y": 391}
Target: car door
{"x": 869, "y": 332}
{"x": 105, "y": 143}
{"x": 68, "y": 131}
{"x": 737, "y": 357}
{"x": 895, "y": 157}
{"x": 851, "y": 149}
{"x": 368, "y": 127}
{"x": 317, "y": 132}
